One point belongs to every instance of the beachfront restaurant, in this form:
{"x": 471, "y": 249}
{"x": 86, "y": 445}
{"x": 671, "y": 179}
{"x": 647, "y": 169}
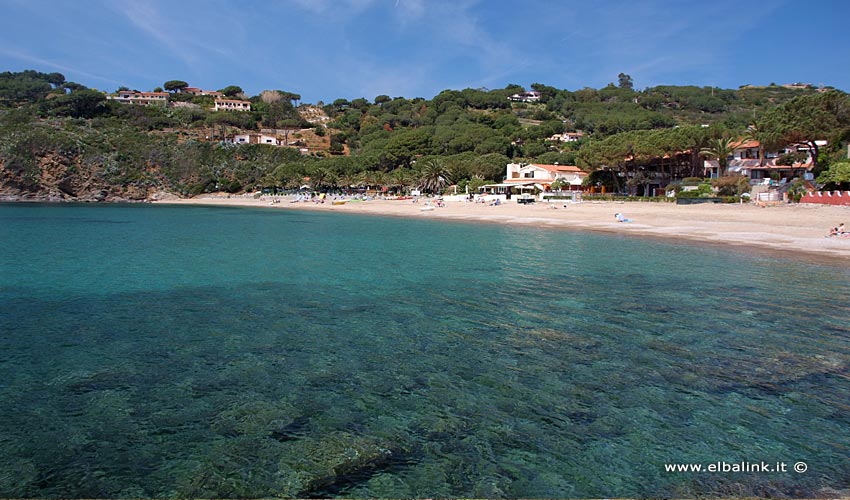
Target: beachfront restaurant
{"x": 505, "y": 190}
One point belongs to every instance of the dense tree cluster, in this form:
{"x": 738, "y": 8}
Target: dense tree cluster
{"x": 463, "y": 137}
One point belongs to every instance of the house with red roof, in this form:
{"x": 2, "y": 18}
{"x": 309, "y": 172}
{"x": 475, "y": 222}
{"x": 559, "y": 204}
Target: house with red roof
{"x": 200, "y": 92}
{"x": 542, "y": 176}
{"x": 525, "y": 177}
{"x": 746, "y": 160}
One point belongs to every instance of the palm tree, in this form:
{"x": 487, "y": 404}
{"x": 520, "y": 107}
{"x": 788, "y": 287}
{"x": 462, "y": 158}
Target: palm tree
{"x": 378, "y": 179}
{"x": 348, "y": 181}
{"x": 720, "y": 149}
{"x": 362, "y": 179}
{"x": 372, "y": 178}
{"x": 767, "y": 138}
{"x": 401, "y": 178}
{"x": 434, "y": 176}
{"x": 321, "y": 176}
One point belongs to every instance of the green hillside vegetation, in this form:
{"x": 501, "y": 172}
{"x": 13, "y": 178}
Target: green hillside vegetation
{"x": 62, "y": 138}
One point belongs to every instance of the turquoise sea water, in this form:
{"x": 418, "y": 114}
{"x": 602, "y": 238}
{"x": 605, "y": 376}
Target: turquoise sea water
{"x": 219, "y": 352}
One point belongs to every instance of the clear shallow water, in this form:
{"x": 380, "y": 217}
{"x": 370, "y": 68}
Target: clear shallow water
{"x": 214, "y": 352}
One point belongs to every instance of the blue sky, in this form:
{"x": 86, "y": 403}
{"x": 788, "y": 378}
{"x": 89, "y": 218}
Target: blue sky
{"x": 327, "y": 49}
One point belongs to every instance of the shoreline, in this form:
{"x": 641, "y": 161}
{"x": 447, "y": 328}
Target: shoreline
{"x": 793, "y": 230}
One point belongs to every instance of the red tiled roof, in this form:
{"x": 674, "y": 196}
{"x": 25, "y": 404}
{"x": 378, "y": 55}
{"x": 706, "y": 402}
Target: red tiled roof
{"x": 742, "y": 144}
{"x": 558, "y": 168}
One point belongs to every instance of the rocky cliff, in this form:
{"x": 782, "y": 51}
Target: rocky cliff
{"x": 57, "y": 178}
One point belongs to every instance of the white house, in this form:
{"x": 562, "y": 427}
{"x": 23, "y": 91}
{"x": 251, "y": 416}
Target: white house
{"x": 530, "y": 96}
{"x": 140, "y": 98}
{"x": 255, "y": 139}
{"x": 232, "y": 105}
{"x": 567, "y": 137}
{"x": 542, "y": 176}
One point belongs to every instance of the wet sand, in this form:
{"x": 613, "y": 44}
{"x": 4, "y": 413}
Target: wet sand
{"x": 793, "y": 229}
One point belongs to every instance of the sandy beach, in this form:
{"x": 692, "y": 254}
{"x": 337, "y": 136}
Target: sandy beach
{"x": 797, "y": 230}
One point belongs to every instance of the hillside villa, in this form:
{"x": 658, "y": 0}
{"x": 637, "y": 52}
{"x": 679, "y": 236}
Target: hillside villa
{"x": 140, "y": 98}
{"x": 198, "y": 91}
{"x": 162, "y": 99}
{"x": 529, "y": 177}
{"x": 530, "y": 96}
{"x": 254, "y": 139}
{"x": 232, "y": 105}
{"x": 567, "y": 137}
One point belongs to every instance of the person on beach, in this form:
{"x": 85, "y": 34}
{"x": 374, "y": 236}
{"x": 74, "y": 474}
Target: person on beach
{"x": 838, "y": 231}
{"x": 621, "y": 218}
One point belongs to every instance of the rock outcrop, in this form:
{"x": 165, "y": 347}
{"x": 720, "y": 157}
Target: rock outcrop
{"x": 56, "y": 178}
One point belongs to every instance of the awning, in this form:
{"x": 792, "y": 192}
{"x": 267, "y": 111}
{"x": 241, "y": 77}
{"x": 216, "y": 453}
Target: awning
{"x": 526, "y": 185}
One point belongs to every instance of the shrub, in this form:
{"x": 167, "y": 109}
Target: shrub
{"x": 731, "y": 185}
{"x": 796, "y": 191}
{"x": 789, "y": 159}
{"x": 688, "y": 194}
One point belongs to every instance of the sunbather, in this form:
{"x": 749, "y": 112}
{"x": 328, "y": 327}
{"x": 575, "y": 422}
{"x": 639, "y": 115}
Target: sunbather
{"x": 620, "y": 218}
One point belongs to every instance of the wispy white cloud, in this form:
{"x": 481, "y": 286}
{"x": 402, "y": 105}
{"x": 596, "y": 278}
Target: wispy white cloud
{"x": 24, "y": 56}
{"x": 336, "y": 8}
{"x": 458, "y": 30}
{"x": 647, "y": 40}
{"x": 395, "y": 82}
{"x": 331, "y": 48}
{"x": 145, "y": 16}
{"x": 314, "y": 6}
{"x": 409, "y": 10}
{"x": 193, "y": 36}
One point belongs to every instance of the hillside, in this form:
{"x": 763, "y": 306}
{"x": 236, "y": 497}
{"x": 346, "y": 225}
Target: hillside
{"x": 62, "y": 141}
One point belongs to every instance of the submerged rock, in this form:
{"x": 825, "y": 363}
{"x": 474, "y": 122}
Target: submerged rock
{"x": 256, "y": 418}
{"x": 293, "y": 430}
{"x": 335, "y": 461}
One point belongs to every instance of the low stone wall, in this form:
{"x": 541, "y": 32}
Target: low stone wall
{"x": 695, "y": 201}
{"x": 827, "y": 198}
